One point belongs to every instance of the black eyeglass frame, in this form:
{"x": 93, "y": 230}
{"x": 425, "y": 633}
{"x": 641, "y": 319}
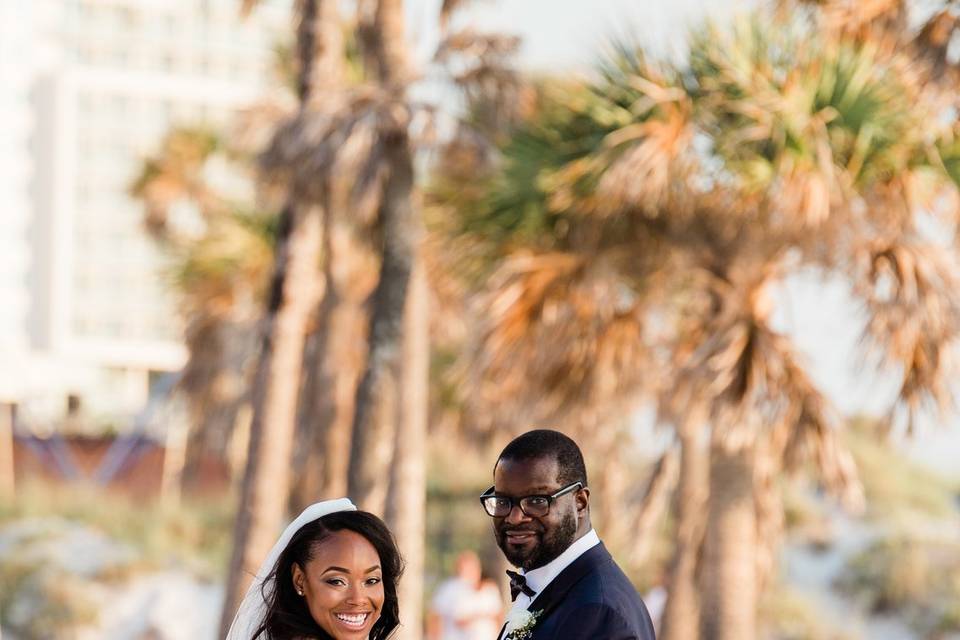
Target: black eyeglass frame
{"x": 518, "y": 502}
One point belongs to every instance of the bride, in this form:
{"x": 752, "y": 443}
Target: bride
{"x": 332, "y": 575}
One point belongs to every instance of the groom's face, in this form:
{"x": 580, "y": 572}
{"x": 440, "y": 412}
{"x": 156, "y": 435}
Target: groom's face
{"x": 531, "y": 542}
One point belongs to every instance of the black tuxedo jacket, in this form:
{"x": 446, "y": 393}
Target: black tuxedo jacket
{"x": 591, "y": 599}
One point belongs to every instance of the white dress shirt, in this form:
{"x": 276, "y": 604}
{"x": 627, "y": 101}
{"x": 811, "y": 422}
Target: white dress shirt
{"x": 539, "y": 578}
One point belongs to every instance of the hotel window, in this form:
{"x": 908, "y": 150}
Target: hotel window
{"x": 127, "y": 18}
{"x": 167, "y": 62}
{"x": 168, "y": 24}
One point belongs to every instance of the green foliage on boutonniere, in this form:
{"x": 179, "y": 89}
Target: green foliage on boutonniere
{"x": 520, "y": 624}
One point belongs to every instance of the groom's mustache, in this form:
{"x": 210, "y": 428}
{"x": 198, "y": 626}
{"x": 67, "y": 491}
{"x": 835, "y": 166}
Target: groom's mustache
{"x": 521, "y": 530}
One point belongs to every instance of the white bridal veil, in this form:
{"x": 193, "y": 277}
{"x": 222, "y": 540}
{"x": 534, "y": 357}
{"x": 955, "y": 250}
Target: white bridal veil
{"x": 254, "y": 605}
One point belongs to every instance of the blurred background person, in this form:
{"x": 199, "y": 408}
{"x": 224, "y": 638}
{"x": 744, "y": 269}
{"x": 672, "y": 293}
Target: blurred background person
{"x": 466, "y": 606}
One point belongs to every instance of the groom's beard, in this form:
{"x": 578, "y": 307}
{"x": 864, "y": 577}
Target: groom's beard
{"x": 547, "y": 547}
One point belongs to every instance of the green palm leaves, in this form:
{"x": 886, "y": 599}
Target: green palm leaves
{"x": 799, "y": 126}
{"x": 695, "y": 189}
{"x": 807, "y": 122}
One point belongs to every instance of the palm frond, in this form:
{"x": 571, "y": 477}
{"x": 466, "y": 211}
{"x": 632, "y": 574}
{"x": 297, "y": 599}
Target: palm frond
{"x": 247, "y": 6}
{"x": 589, "y": 153}
{"x": 448, "y": 8}
{"x": 653, "y": 506}
{"x": 330, "y": 154}
{"x": 910, "y": 291}
{"x": 231, "y": 263}
{"x": 853, "y": 19}
{"x": 563, "y": 317}
{"x": 482, "y": 67}
{"x": 756, "y": 390}
{"x": 934, "y": 40}
{"x": 808, "y": 121}
{"x": 176, "y": 173}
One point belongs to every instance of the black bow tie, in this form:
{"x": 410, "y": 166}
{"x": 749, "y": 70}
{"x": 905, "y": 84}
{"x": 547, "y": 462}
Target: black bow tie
{"x": 518, "y": 584}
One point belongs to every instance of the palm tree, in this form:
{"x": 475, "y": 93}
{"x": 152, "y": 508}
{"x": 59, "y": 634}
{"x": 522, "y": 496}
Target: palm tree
{"x": 641, "y": 223}
{"x": 218, "y": 272}
{"x": 335, "y": 355}
{"x": 355, "y": 156}
{"x": 294, "y": 292}
{"x": 334, "y": 361}
{"x": 390, "y": 423}
{"x": 377, "y": 395}
{"x": 406, "y": 504}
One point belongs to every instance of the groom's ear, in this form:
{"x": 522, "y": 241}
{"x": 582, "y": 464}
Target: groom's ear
{"x": 583, "y": 499}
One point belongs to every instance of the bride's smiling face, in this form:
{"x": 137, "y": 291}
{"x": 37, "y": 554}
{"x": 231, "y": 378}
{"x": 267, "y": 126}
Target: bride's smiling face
{"x": 343, "y": 585}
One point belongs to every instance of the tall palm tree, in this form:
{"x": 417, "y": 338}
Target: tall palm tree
{"x": 641, "y": 224}
{"x": 294, "y": 291}
{"x": 335, "y": 357}
{"x": 356, "y": 157}
{"x": 406, "y": 504}
{"x": 377, "y": 395}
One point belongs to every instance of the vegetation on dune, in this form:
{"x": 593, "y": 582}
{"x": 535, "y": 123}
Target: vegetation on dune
{"x": 195, "y": 536}
{"x": 910, "y": 575}
{"x": 898, "y": 489}
{"x": 786, "y": 615}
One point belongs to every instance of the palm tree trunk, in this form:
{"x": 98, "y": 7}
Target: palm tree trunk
{"x": 174, "y": 460}
{"x": 406, "y": 507}
{"x": 266, "y": 481}
{"x": 293, "y": 297}
{"x": 372, "y": 444}
{"x": 681, "y": 615}
{"x": 391, "y": 45}
{"x": 729, "y": 564}
{"x": 328, "y": 411}
{"x": 206, "y": 382}
{"x": 769, "y": 514}
{"x": 320, "y": 50}
{"x": 610, "y": 483}
{"x": 308, "y": 464}
{"x": 337, "y": 364}
{"x": 7, "y": 482}
{"x": 349, "y": 324}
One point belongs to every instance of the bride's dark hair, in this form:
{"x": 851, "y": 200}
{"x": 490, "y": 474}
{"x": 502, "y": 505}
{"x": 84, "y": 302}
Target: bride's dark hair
{"x": 288, "y": 617}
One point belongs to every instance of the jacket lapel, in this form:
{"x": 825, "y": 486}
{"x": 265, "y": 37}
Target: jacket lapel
{"x": 553, "y": 594}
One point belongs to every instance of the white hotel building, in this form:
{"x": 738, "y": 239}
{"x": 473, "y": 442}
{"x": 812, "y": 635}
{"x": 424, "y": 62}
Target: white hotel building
{"x": 87, "y": 89}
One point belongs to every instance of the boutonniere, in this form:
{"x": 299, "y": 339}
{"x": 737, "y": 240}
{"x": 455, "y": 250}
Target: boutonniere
{"x": 520, "y": 624}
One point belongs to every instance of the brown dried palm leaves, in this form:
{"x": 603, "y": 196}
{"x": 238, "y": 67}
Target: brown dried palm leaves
{"x": 562, "y": 339}
{"x": 332, "y": 155}
{"x": 756, "y": 390}
{"x": 912, "y": 298}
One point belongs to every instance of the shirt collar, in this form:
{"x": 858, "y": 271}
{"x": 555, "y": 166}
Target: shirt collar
{"x": 539, "y": 578}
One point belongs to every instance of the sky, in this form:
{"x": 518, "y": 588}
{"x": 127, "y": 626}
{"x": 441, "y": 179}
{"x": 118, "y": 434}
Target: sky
{"x": 571, "y": 34}
{"x": 821, "y": 317}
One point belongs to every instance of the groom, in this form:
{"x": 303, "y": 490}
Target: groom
{"x": 568, "y": 586}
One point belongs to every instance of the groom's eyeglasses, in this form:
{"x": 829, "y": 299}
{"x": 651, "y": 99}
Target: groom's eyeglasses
{"x": 531, "y": 506}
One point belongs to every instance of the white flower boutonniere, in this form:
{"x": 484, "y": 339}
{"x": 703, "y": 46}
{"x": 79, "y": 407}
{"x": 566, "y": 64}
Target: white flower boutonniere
{"x": 520, "y": 624}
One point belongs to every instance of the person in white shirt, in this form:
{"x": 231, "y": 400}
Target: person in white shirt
{"x": 568, "y": 587}
{"x": 465, "y": 607}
